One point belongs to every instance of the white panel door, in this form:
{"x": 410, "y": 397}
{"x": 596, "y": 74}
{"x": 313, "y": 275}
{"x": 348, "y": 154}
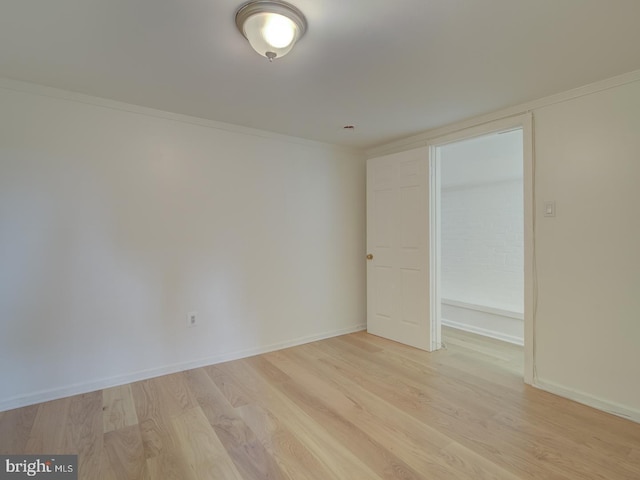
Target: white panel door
{"x": 398, "y": 248}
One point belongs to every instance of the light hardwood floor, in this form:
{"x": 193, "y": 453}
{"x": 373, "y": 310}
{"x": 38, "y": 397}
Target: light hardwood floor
{"x": 351, "y": 407}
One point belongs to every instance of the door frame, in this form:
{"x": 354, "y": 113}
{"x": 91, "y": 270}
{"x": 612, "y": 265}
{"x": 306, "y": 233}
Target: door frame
{"x": 525, "y": 122}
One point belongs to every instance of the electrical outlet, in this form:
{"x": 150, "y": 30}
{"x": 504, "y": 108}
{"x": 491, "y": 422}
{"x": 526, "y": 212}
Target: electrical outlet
{"x": 192, "y": 319}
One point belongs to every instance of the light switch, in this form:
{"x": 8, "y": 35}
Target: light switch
{"x": 549, "y": 209}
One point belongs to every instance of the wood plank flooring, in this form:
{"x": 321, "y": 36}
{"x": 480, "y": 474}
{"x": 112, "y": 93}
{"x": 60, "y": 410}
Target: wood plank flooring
{"x": 350, "y": 407}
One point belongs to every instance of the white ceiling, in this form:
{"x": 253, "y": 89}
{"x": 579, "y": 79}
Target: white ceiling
{"x": 393, "y": 68}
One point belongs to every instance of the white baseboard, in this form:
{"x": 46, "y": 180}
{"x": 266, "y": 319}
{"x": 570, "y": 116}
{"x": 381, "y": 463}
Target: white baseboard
{"x": 482, "y": 331}
{"x": 494, "y": 322}
{"x": 483, "y": 308}
{"x": 79, "y": 388}
{"x": 589, "y": 400}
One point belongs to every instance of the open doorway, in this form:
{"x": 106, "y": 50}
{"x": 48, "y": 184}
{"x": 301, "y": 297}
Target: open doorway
{"x": 480, "y": 240}
{"x": 482, "y": 235}
{"x": 404, "y": 244}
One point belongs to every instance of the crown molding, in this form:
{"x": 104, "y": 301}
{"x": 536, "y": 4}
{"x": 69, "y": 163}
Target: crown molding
{"x": 51, "y": 92}
{"x": 422, "y": 139}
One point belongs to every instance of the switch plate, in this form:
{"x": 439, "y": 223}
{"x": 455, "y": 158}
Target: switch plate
{"x": 550, "y": 209}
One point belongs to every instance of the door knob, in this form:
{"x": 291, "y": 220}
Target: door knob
{"x": 369, "y": 257}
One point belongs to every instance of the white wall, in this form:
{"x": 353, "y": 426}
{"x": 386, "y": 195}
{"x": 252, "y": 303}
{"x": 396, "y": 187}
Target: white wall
{"x": 482, "y": 258}
{"x": 496, "y": 157}
{"x": 588, "y": 260}
{"x": 114, "y": 224}
{"x": 482, "y": 232}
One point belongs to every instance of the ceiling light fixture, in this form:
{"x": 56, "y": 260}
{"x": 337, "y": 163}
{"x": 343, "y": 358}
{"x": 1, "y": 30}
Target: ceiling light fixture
{"x": 271, "y": 27}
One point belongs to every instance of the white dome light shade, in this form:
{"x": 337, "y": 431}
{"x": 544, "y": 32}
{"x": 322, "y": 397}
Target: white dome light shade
{"x": 270, "y": 32}
{"x": 279, "y": 31}
{"x": 272, "y": 28}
